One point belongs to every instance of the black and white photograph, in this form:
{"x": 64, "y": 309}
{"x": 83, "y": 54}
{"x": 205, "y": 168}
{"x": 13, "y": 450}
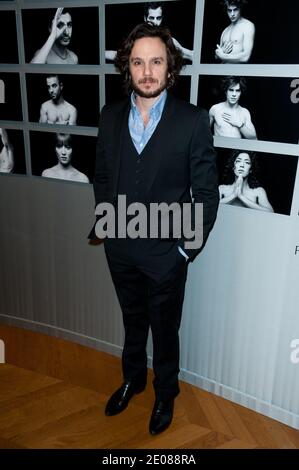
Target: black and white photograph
{"x": 63, "y": 99}
{"x": 62, "y": 36}
{"x": 11, "y": 107}
{"x": 177, "y": 15}
{"x": 63, "y": 156}
{"x": 263, "y": 108}
{"x": 228, "y": 118}
{"x": 115, "y": 90}
{"x": 256, "y": 180}
{"x": 228, "y": 33}
{"x": 12, "y": 153}
{"x": 247, "y": 31}
{"x": 8, "y": 38}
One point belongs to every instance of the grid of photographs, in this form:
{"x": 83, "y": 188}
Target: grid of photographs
{"x": 57, "y": 69}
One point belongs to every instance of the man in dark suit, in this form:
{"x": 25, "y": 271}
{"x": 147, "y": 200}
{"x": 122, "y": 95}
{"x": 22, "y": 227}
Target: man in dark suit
{"x": 152, "y": 148}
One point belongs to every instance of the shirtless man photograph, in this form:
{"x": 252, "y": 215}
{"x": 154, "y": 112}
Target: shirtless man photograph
{"x": 64, "y": 169}
{"x": 153, "y": 13}
{"x": 229, "y": 119}
{"x": 55, "y": 50}
{"x": 57, "y": 110}
{"x": 6, "y": 153}
{"x": 237, "y": 39}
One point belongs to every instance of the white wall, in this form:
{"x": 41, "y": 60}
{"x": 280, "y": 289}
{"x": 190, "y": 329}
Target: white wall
{"x": 240, "y": 311}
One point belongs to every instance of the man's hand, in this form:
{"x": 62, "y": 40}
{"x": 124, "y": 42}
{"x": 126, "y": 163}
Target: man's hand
{"x": 219, "y": 52}
{"x": 222, "y": 51}
{"x": 227, "y": 47}
{"x": 233, "y": 120}
{"x": 41, "y": 56}
{"x": 56, "y": 32}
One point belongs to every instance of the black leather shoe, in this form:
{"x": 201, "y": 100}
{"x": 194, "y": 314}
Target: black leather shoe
{"x": 161, "y": 416}
{"x": 120, "y": 399}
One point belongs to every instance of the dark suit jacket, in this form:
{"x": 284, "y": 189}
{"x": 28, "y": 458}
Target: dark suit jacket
{"x": 183, "y": 157}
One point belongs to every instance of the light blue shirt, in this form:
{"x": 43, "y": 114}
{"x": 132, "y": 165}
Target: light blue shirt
{"x": 139, "y": 133}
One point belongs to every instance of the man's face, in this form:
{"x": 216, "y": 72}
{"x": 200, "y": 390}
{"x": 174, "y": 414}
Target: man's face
{"x": 54, "y": 88}
{"x": 242, "y": 165}
{"x": 148, "y": 67}
{"x": 154, "y": 16}
{"x": 233, "y": 94}
{"x": 234, "y": 13}
{"x": 63, "y": 152}
{"x": 65, "y": 25}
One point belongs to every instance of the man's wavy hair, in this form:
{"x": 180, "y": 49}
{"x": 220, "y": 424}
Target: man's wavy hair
{"x": 238, "y": 3}
{"x": 145, "y": 30}
{"x": 228, "y": 82}
{"x": 253, "y": 177}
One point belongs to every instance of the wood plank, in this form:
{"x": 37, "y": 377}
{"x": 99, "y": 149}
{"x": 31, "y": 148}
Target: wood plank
{"x": 237, "y": 444}
{"x": 235, "y": 422}
{"x": 62, "y": 415}
{"x": 22, "y": 383}
{"x": 57, "y": 400}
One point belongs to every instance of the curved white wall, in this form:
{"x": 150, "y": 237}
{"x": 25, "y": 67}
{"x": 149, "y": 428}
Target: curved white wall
{"x": 240, "y": 310}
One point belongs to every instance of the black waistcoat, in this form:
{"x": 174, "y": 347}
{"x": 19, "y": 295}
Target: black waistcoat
{"x": 134, "y": 169}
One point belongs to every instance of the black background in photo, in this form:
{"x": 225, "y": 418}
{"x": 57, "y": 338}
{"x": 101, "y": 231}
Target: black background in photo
{"x": 8, "y": 38}
{"x": 16, "y": 140}
{"x": 11, "y": 110}
{"x": 43, "y": 155}
{"x": 268, "y": 100}
{"x": 277, "y": 176}
{"x": 114, "y": 88}
{"x": 178, "y": 16}
{"x": 85, "y": 35}
{"x": 276, "y": 31}
{"x": 82, "y": 91}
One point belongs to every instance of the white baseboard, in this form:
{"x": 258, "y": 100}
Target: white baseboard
{"x": 61, "y": 333}
{"x": 241, "y": 398}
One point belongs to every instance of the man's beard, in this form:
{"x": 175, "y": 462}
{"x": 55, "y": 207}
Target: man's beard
{"x": 149, "y": 94}
{"x": 57, "y": 98}
{"x": 64, "y": 41}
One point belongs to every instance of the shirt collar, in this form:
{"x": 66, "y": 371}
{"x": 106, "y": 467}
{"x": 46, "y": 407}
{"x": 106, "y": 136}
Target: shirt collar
{"x": 157, "y": 108}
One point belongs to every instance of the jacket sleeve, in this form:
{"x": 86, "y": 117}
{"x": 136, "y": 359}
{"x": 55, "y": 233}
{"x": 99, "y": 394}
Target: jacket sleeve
{"x": 101, "y": 176}
{"x": 204, "y": 179}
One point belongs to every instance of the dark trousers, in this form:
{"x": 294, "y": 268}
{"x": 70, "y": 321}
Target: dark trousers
{"x": 149, "y": 278}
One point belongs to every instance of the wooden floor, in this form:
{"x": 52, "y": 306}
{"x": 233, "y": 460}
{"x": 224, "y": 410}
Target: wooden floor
{"x": 38, "y": 411}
